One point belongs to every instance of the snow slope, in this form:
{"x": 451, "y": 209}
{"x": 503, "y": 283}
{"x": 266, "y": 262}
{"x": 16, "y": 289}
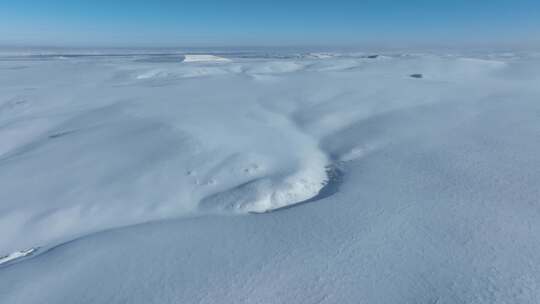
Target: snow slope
{"x": 404, "y": 190}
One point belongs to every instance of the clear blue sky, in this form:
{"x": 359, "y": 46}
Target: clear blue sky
{"x": 277, "y": 22}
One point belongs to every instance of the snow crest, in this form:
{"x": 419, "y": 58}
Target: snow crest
{"x": 17, "y": 255}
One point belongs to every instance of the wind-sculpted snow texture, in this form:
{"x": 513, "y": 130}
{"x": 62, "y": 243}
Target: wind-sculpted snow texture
{"x": 170, "y": 178}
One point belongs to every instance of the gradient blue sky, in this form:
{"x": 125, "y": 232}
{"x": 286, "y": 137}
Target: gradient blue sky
{"x": 398, "y": 23}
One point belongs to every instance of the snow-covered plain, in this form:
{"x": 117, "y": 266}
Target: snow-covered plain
{"x": 270, "y": 178}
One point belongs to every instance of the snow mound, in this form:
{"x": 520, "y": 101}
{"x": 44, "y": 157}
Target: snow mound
{"x": 269, "y": 193}
{"x": 204, "y": 58}
{"x": 320, "y": 55}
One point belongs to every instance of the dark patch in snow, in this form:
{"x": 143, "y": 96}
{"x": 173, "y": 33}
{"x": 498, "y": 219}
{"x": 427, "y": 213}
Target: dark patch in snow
{"x": 60, "y": 134}
{"x": 13, "y": 103}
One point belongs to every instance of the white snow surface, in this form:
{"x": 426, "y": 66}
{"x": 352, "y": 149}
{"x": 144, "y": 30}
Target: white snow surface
{"x": 147, "y": 179}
